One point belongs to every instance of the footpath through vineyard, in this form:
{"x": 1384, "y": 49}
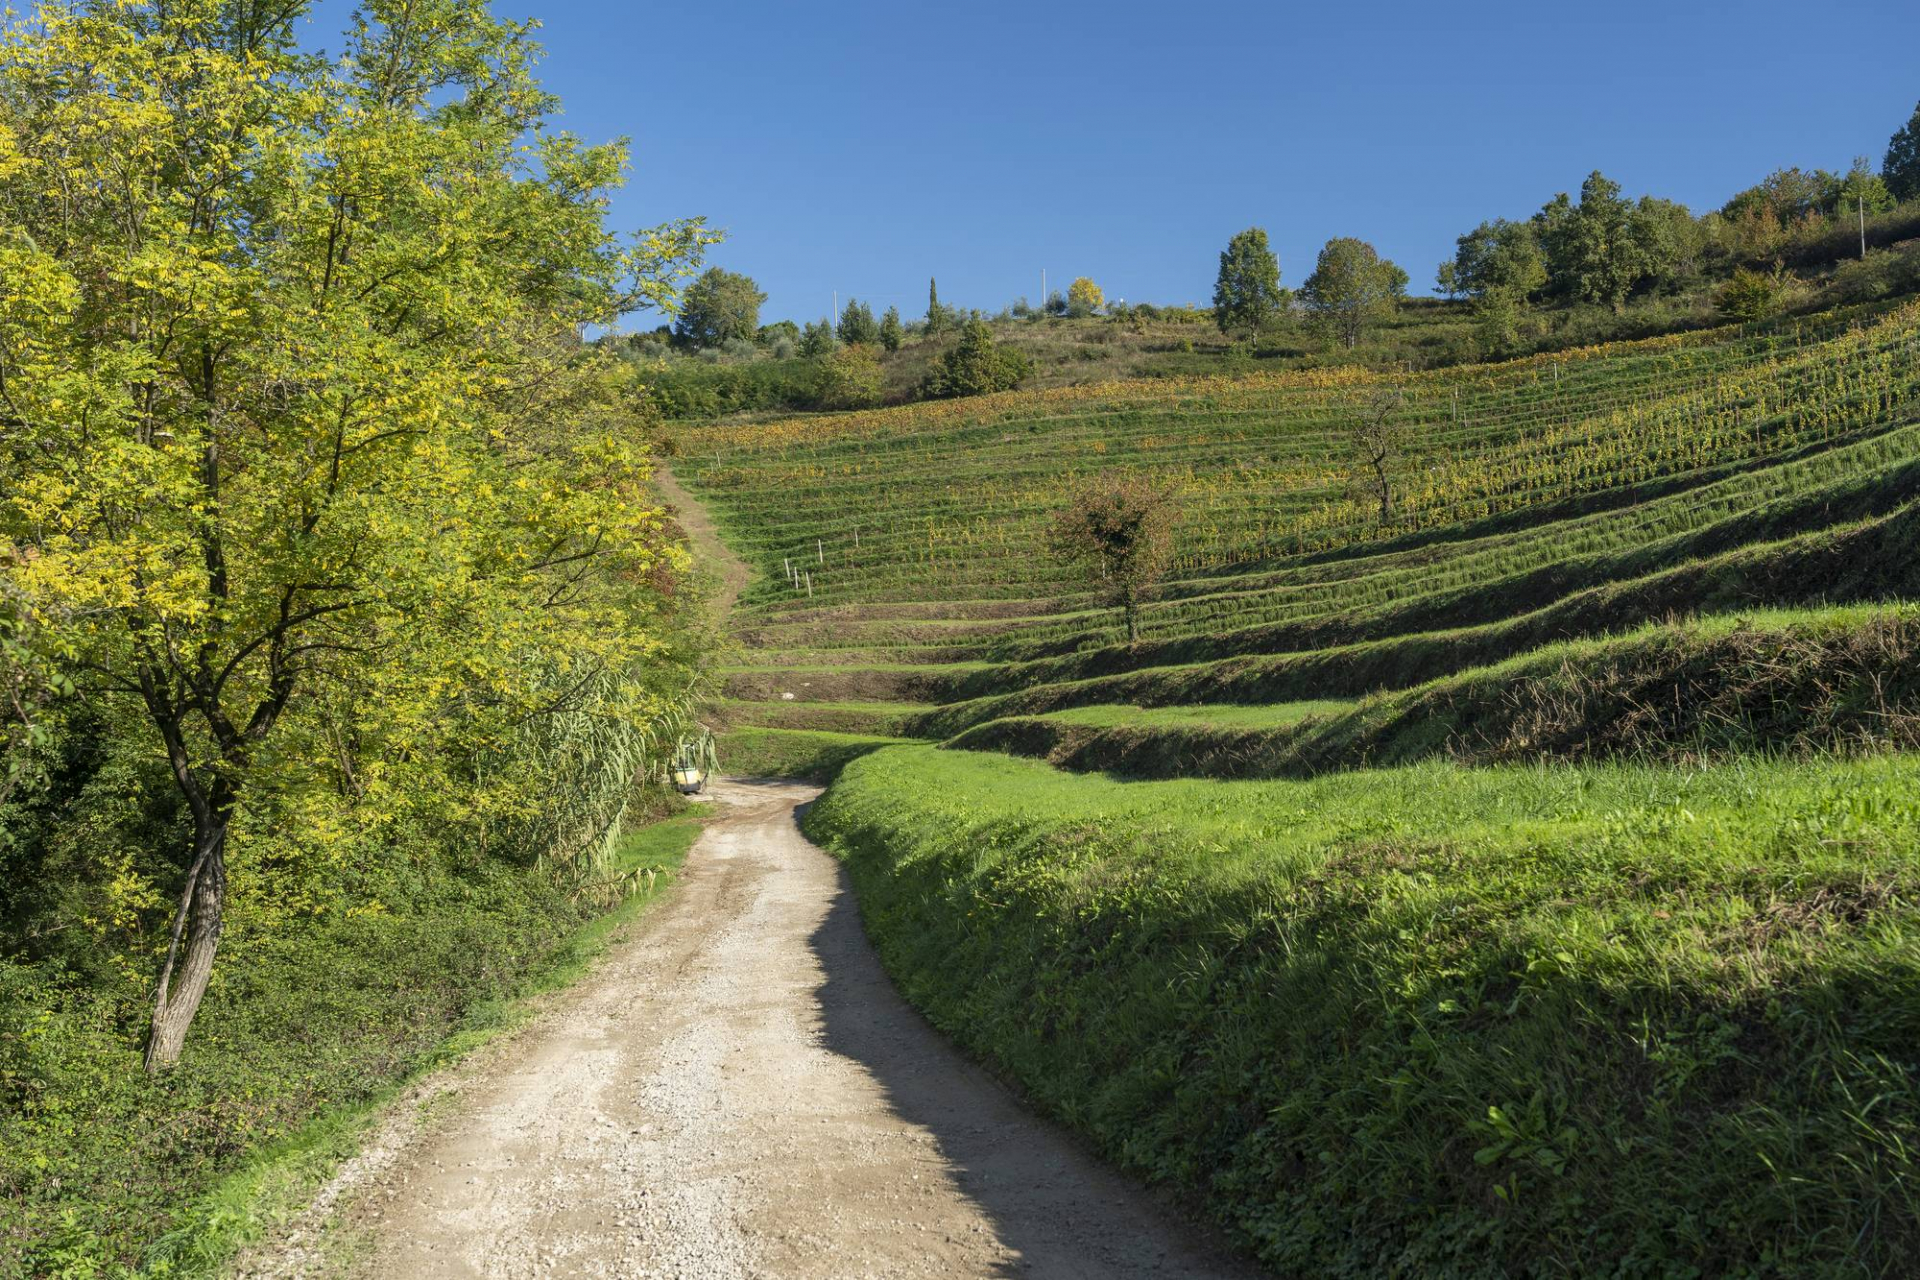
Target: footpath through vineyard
{"x": 736, "y": 1091}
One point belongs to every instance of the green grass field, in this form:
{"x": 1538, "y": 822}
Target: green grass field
{"x": 1618, "y": 1019}
{"x": 1521, "y": 884}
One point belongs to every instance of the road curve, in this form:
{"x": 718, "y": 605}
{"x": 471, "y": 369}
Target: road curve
{"x": 737, "y": 1091}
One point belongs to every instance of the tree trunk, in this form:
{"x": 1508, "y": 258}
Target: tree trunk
{"x": 196, "y": 936}
{"x": 1133, "y": 616}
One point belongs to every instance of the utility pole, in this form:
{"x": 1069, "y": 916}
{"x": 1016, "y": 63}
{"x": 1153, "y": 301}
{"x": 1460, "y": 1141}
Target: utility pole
{"x": 1043, "y": 290}
{"x": 836, "y": 306}
{"x": 1862, "y": 198}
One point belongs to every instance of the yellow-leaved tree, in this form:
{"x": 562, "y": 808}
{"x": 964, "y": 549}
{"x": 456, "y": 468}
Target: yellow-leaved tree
{"x": 301, "y": 457}
{"x": 1084, "y": 297}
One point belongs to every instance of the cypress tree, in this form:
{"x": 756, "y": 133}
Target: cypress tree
{"x": 936, "y": 314}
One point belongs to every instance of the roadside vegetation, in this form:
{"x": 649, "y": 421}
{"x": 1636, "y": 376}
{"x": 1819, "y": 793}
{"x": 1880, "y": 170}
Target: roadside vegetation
{"x": 340, "y": 630}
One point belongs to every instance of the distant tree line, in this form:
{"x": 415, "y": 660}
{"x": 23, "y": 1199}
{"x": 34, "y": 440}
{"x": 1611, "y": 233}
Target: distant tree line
{"x": 1605, "y": 249}
{"x": 1598, "y": 249}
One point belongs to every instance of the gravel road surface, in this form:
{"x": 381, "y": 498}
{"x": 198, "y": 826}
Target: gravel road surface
{"x": 735, "y": 1090}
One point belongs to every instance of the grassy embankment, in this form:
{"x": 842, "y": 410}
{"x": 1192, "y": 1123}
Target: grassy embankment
{"x": 1612, "y": 1019}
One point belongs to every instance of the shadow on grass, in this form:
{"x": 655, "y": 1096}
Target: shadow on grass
{"x": 1052, "y": 1205}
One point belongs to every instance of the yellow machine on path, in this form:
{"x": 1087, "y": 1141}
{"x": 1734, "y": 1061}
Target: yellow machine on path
{"x": 694, "y": 761}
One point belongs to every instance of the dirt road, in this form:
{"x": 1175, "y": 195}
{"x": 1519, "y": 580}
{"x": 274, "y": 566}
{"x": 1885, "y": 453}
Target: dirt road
{"x": 736, "y": 1090}
{"x": 732, "y": 572}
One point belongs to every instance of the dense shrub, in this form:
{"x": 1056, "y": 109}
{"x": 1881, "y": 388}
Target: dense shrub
{"x": 849, "y": 379}
{"x": 1751, "y": 295}
{"x": 1878, "y": 276}
{"x": 977, "y": 366}
{"x": 683, "y": 389}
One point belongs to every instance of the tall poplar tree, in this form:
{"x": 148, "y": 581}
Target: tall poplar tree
{"x": 1247, "y": 294}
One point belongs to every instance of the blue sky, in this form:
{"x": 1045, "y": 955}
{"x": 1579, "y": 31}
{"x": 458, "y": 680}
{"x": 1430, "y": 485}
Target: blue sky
{"x": 864, "y": 147}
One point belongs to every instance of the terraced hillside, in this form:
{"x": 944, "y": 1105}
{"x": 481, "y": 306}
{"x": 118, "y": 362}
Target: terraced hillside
{"x": 1528, "y": 884}
{"x": 901, "y": 562}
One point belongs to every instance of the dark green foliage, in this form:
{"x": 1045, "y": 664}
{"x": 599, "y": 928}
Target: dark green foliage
{"x": 940, "y": 317}
{"x": 1605, "y": 247}
{"x": 779, "y": 331}
{"x": 817, "y": 339}
{"x": 857, "y": 326}
{"x": 890, "y": 330}
{"x": 1498, "y": 256}
{"x": 1901, "y": 168}
{"x": 684, "y": 389}
{"x": 849, "y": 379}
{"x": 719, "y": 307}
{"x": 976, "y": 366}
{"x": 1246, "y": 294}
{"x": 1352, "y": 288}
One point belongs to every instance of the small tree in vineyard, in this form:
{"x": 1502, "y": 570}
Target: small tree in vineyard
{"x": 1378, "y": 441}
{"x": 1122, "y": 527}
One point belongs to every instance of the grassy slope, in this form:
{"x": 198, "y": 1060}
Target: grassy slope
{"x": 1603, "y": 1020}
{"x": 815, "y": 755}
{"x": 1803, "y": 681}
{"x": 100, "y": 1174}
{"x": 1561, "y": 498}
